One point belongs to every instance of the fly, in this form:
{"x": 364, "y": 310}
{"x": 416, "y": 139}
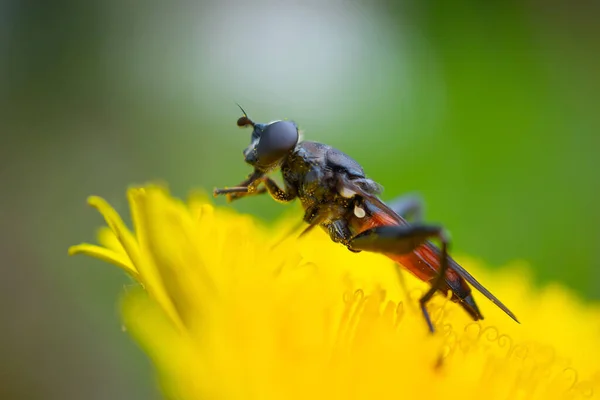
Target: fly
{"x": 337, "y": 196}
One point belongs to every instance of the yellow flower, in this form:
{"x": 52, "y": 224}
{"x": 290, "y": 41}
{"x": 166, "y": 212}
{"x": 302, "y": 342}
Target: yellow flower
{"x": 230, "y": 309}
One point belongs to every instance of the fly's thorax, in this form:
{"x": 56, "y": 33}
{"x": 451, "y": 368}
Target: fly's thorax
{"x": 317, "y": 182}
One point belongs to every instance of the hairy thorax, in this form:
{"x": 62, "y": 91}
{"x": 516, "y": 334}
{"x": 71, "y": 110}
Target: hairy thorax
{"x": 315, "y": 184}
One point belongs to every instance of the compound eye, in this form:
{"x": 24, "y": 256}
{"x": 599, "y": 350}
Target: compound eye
{"x": 276, "y": 140}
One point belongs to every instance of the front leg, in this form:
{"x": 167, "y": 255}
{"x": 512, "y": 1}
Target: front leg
{"x": 401, "y": 240}
{"x": 248, "y": 187}
{"x": 278, "y": 194}
{"x": 271, "y": 187}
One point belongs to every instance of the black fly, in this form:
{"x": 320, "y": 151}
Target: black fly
{"x": 336, "y": 195}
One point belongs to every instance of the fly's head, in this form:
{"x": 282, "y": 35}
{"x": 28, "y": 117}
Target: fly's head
{"x": 270, "y": 143}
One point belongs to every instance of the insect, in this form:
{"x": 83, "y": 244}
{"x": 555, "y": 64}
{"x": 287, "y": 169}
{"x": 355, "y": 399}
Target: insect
{"x": 337, "y": 196}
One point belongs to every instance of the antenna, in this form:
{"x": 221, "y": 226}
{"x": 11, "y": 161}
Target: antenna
{"x": 244, "y": 121}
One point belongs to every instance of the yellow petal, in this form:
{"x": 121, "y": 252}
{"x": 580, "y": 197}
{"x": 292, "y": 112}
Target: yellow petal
{"x": 165, "y": 344}
{"x": 116, "y": 224}
{"x": 147, "y": 273}
{"x": 167, "y": 240}
{"x": 107, "y": 238}
{"x": 107, "y": 255}
{"x": 270, "y": 317}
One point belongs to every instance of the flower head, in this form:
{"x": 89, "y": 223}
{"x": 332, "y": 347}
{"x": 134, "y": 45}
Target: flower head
{"x": 228, "y": 308}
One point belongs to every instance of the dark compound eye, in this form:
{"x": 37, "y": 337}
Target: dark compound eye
{"x": 276, "y": 140}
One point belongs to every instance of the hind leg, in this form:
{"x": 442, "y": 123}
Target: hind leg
{"x": 401, "y": 240}
{"x": 412, "y": 208}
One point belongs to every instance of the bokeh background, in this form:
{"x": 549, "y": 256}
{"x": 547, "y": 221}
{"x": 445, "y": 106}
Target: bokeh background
{"x": 489, "y": 110}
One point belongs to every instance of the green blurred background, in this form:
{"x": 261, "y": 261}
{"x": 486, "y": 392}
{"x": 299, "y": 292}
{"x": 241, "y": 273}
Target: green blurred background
{"x": 488, "y": 109}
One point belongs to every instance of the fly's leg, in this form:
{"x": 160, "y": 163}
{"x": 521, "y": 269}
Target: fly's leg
{"x": 410, "y": 207}
{"x": 238, "y": 192}
{"x": 271, "y": 187}
{"x": 401, "y": 240}
{"x": 253, "y": 177}
{"x": 278, "y": 194}
{"x": 248, "y": 187}
{"x": 312, "y": 216}
{"x": 339, "y": 232}
{"x": 338, "y": 229}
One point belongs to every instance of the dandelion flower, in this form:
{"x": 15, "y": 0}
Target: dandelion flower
{"x": 230, "y": 309}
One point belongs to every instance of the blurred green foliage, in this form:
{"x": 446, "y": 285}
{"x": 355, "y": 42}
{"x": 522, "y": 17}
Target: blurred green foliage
{"x": 489, "y": 110}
